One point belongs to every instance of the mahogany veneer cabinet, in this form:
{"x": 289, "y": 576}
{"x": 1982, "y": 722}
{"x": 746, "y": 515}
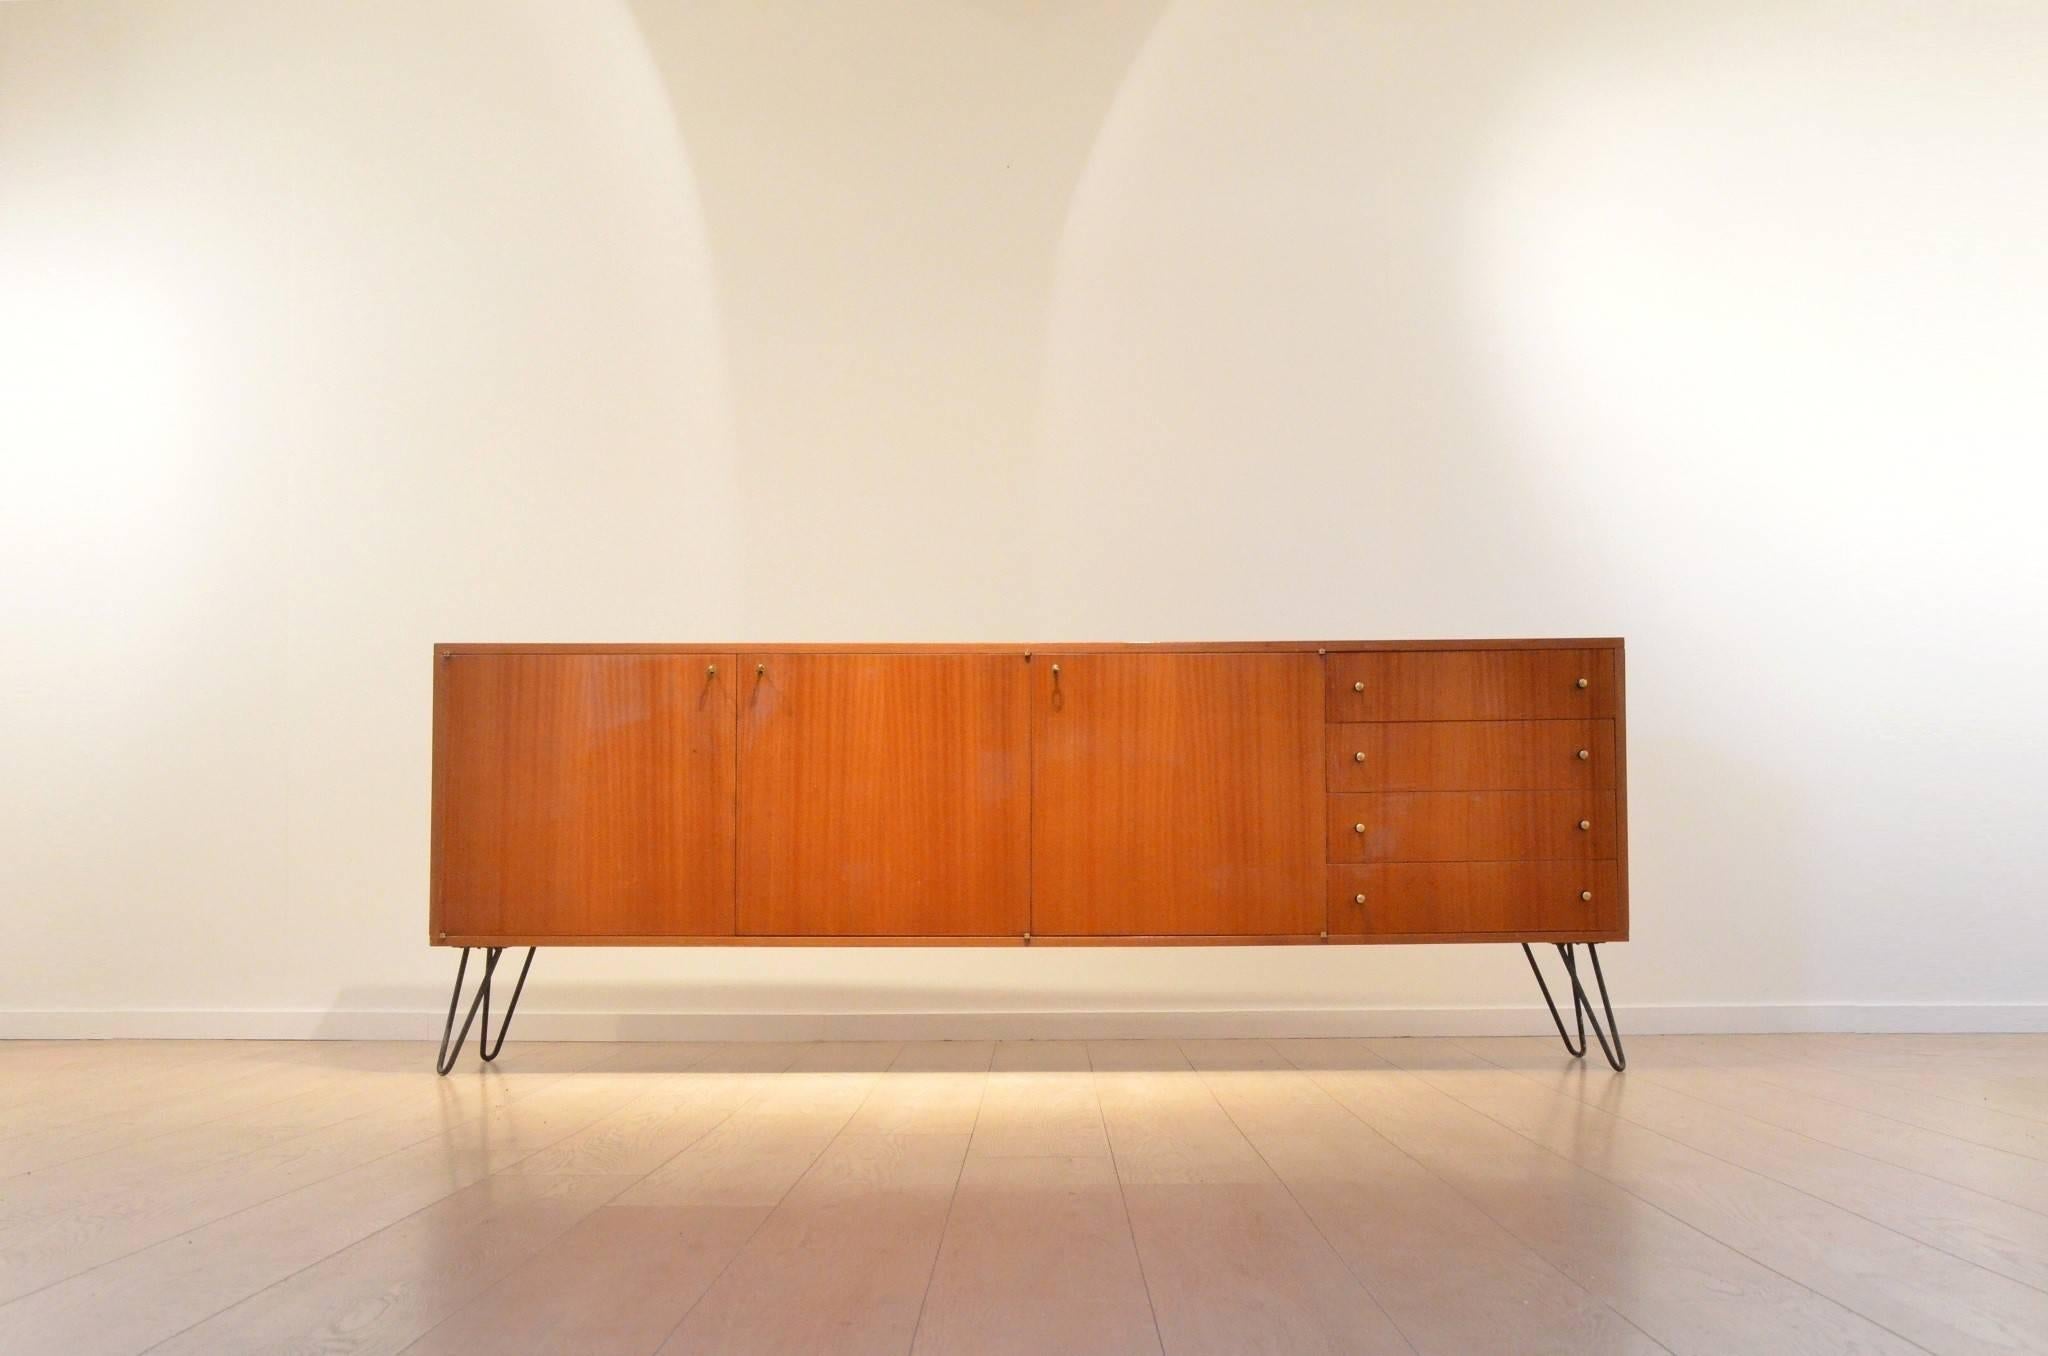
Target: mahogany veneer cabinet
{"x": 986, "y": 795}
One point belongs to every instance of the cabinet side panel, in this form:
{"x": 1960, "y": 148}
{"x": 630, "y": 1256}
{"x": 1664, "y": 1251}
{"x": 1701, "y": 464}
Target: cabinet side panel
{"x": 1615, "y": 917}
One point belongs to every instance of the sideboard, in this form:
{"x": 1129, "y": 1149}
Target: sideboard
{"x": 1318, "y": 793}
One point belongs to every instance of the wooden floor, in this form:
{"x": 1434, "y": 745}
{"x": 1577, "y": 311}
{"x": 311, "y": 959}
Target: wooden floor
{"x": 1785, "y": 1194}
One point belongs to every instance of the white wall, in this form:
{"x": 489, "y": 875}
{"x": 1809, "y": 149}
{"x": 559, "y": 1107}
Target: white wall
{"x": 330, "y": 330}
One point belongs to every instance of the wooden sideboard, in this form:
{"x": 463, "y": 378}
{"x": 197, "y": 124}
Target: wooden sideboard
{"x": 985, "y": 795}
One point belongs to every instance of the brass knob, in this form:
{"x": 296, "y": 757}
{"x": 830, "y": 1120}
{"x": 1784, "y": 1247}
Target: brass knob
{"x": 1584, "y": 754}
{"x": 1358, "y": 757}
{"x": 1358, "y": 687}
{"x": 1585, "y": 824}
{"x": 1358, "y": 828}
{"x": 711, "y": 670}
{"x": 1358, "y": 899}
{"x": 1055, "y": 668}
{"x": 1585, "y": 894}
{"x": 1582, "y": 682}
{"x": 760, "y": 669}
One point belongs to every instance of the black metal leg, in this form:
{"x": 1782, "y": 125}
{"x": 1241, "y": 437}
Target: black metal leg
{"x": 1582, "y": 1007}
{"x": 480, "y": 1003}
{"x": 483, "y": 1036}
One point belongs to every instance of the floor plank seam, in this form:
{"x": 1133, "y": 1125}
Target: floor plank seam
{"x": 1821, "y": 1295}
{"x": 1726, "y": 1109}
{"x": 390, "y": 1224}
{"x": 1864, "y": 1075}
{"x": 511, "y": 1275}
{"x": 1895, "y": 1232}
{"x": 939, "y": 1251}
{"x": 1124, "y": 1201}
{"x": 1313, "y": 1222}
{"x": 755, "y": 1232}
{"x": 407, "y": 1147}
{"x": 1480, "y": 1206}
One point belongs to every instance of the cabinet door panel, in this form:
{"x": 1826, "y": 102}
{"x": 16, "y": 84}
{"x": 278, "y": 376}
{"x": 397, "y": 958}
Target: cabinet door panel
{"x": 1177, "y": 795}
{"x": 884, "y": 795}
{"x": 583, "y": 795}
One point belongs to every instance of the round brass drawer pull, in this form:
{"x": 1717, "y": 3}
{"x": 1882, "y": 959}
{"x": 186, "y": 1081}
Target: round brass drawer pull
{"x": 1585, "y": 894}
{"x": 1584, "y": 754}
{"x": 1358, "y": 757}
{"x": 1585, "y": 824}
{"x": 1358, "y": 899}
{"x": 1358, "y": 828}
{"x": 1358, "y": 687}
{"x": 711, "y": 670}
{"x": 1582, "y": 682}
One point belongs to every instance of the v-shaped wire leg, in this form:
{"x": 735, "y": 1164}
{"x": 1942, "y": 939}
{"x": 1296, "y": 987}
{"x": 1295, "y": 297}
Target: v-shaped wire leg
{"x": 483, "y": 1035}
{"x": 481, "y": 1003}
{"x": 1582, "y": 1007}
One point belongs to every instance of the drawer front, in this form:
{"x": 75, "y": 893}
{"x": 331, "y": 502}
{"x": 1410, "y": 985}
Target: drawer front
{"x": 1471, "y": 755}
{"x": 1471, "y": 826}
{"x": 1410, "y": 898}
{"x": 1470, "y": 685}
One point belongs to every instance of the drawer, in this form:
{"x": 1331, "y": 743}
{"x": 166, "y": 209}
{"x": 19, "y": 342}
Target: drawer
{"x": 1453, "y": 897}
{"x": 1470, "y": 685}
{"x": 1471, "y": 755}
{"x": 1471, "y": 826}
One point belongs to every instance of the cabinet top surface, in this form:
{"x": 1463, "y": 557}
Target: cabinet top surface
{"x": 1046, "y": 647}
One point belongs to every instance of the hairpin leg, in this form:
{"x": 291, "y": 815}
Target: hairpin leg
{"x": 480, "y": 1003}
{"x": 1582, "y": 1007}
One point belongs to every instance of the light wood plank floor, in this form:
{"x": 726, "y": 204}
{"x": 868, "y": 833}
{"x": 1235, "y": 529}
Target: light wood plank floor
{"x": 1782, "y": 1194}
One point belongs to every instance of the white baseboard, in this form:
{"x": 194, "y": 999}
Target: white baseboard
{"x": 1644, "y": 1019}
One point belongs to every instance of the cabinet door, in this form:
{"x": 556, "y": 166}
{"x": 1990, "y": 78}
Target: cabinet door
{"x": 1177, "y": 795}
{"x": 583, "y": 795}
{"x": 884, "y": 795}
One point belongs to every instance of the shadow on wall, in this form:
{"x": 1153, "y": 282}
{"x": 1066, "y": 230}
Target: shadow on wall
{"x": 885, "y": 212}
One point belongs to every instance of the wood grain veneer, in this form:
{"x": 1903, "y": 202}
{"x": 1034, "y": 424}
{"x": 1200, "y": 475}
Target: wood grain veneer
{"x": 884, "y": 794}
{"x": 1472, "y": 685}
{"x": 1473, "y": 897}
{"x": 1176, "y": 794}
{"x": 1471, "y": 826}
{"x": 583, "y": 795}
{"x": 1471, "y": 755}
{"x": 1094, "y": 794}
